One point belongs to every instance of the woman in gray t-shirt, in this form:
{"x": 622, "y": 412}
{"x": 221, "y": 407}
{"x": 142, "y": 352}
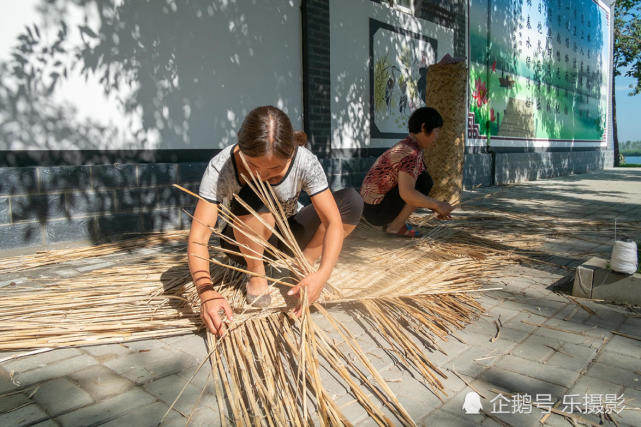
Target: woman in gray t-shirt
{"x": 273, "y": 151}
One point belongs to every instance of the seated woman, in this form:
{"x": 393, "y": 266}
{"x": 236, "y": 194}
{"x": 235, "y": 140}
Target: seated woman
{"x": 273, "y": 152}
{"x": 398, "y": 183}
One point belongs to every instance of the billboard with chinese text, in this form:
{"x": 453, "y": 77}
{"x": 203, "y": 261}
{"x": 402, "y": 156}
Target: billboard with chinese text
{"x": 539, "y": 72}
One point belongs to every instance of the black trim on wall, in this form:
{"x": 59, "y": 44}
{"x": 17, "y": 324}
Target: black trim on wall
{"x": 101, "y": 157}
{"x": 316, "y": 75}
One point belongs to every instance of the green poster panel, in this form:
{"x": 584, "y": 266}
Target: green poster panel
{"x": 539, "y": 70}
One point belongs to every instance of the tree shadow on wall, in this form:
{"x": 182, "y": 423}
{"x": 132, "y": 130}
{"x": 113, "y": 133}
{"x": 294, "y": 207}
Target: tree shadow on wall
{"x": 166, "y": 63}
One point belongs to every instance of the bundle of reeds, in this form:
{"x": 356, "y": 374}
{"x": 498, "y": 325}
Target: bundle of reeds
{"x": 255, "y": 364}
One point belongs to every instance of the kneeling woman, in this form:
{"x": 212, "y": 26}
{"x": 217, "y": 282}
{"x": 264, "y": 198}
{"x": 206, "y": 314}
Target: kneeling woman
{"x": 273, "y": 152}
{"x": 398, "y": 182}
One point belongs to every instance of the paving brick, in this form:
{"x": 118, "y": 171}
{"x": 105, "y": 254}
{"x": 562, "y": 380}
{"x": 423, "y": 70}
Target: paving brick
{"x": 192, "y": 344}
{"x": 592, "y": 385}
{"x": 56, "y": 369}
{"x": 579, "y": 337}
{"x": 536, "y": 348}
{"x": 108, "y": 409}
{"x": 61, "y": 395}
{"x": 617, "y": 375}
{"x": 574, "y": 324}
{"x": 67, "y": 272}
{"x": 508, "y": 336}
{"x": 534, "y": 369}
{"x": 93, "y": 267}
{"x": 101, "y": 382}
{"x": 444, "y": 418}
{"x": 204, "y": 417}
{"x": 620, "y": 360}
{"x": 623, "y": 345}
{"x": 47, "y": 423}
{"x": 13, "y": 401}
{"x": 149, "y": 415}
{"x": 27, "y": 415}
{"x": 513, "y": 382}
{"x": 157, "y": 363}
{"x": 39, "y": 360}
{"x": 464, "y": 363}
{"x": 607, "y": 320}
{"x": 168, "y": 388}
{"x": 632, "y": 399}
{"x": 631, "y": 326}
{"x": 105, "y": 352}
{"x": 6, "y": 384}
{"x": 545, "y": 306}
{"x": 572, "y": 356}
{"x": 351, "y": 409}
{"x": 332, "y": 383}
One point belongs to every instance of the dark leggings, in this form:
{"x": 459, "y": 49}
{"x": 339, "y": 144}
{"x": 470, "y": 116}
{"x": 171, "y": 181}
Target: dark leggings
{"x": 392, "y": 204}
{"x": 303, "y": 224}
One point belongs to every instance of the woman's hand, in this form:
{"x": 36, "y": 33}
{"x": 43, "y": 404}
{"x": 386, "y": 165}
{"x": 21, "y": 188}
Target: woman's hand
{"x": 213, "y": 305}
{"x": 443, "y": 210}
{"x": 314, "y": 284}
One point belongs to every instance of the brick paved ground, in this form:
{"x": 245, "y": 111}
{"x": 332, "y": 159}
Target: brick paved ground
{"x": 547, "y": 343}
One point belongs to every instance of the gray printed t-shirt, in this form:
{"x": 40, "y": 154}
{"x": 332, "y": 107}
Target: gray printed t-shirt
{"x": 305, "y": 173}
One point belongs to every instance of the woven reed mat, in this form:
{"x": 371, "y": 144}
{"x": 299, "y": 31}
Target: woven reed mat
{"x": 154, "y": 296}
{"x": 446, "y": 86}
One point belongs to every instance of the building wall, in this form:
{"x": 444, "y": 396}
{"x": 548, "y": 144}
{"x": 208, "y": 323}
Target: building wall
{"x": 94, "y": 156}
{"x": 338, "y": 121}
{"x": 90, "y": 149}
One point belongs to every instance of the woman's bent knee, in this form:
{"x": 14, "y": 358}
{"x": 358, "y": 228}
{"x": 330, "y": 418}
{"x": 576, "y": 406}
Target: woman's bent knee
{"x": 350, "y": 205}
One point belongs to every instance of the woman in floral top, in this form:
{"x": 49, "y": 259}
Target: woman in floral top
{"x": 398, "y": 183}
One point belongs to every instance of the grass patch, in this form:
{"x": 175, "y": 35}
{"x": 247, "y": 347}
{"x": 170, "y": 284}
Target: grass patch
{"x": 630, "y": 165}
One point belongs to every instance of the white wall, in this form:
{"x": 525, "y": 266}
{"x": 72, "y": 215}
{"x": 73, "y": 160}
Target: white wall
{"x": 230, "y": 56}
{"x": 349, "y": 65}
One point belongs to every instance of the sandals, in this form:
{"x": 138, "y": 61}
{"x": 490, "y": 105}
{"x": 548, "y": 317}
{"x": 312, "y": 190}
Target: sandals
{"x": 405, "y": 231}
{"x": 258, "y": 301}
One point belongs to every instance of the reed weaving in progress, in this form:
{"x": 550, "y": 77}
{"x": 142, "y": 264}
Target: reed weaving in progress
{"x": 273, "y": 152}
{"x": 398, "y": 182}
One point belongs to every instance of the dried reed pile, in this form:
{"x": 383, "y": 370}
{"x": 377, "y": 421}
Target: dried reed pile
{"x": 267, "y": 368}
{"x": 27, "y": 262}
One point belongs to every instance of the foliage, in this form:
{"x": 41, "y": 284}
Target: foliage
{"x": 627, "y": 41}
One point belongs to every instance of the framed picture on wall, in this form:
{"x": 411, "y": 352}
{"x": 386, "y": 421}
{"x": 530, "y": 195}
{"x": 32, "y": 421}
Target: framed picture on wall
{"x": 398, "y": 61}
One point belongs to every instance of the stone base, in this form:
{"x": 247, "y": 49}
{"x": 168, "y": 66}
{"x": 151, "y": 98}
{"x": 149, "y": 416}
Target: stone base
{"x": 595, "y": 281}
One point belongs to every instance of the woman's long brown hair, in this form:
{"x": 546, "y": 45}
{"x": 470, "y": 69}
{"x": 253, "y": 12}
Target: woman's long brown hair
{"x": 267, "y": 130}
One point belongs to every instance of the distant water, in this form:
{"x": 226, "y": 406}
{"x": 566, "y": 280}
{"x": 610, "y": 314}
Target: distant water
{"x": 633, "y": 159}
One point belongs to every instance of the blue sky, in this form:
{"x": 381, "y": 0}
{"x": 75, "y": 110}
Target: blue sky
{"x": 628, "y": 108}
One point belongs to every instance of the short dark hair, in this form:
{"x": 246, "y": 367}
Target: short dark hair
{"x": 427, "y": 116}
